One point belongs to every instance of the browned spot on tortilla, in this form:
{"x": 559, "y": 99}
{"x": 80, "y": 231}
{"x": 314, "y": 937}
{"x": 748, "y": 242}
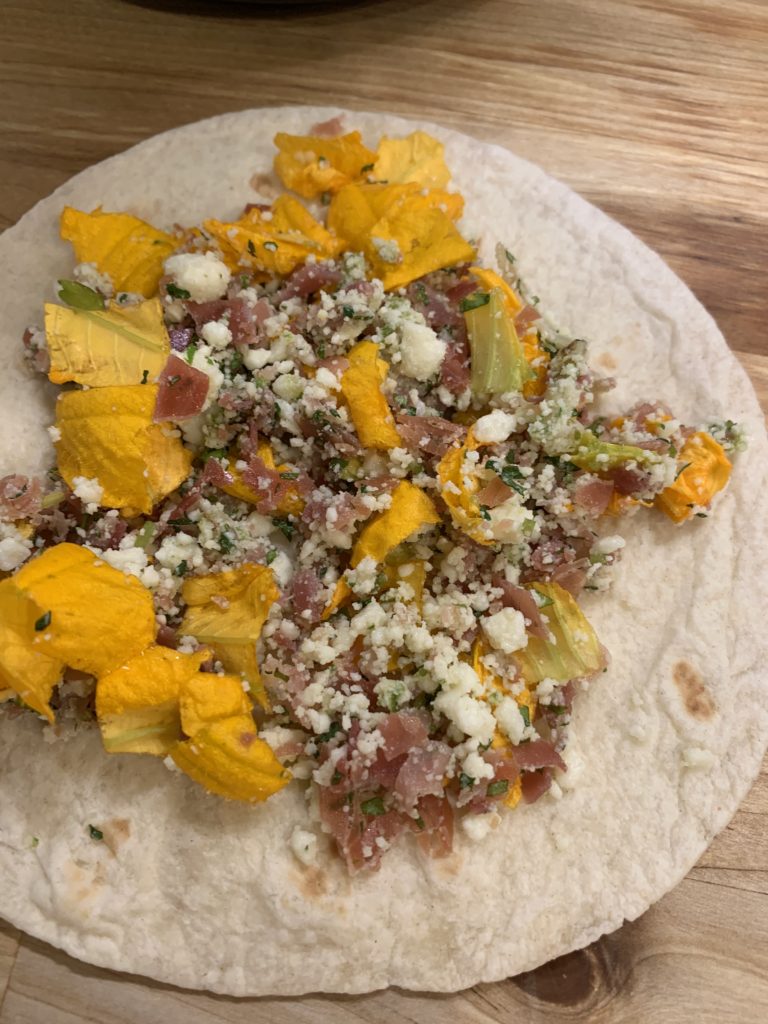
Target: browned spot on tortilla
{"x": 606, "y": 361}
{"x": 450, "y": 866}
{"x": 312, "y": 883}
{"x": 697, "y": 699}
{"x": 116, "y": 832}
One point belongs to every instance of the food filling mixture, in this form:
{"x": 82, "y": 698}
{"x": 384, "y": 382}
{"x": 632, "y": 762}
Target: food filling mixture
{"x": 327, "y": 494}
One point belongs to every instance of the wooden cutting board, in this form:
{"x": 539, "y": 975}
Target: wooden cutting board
{"x": 655, "y": 110}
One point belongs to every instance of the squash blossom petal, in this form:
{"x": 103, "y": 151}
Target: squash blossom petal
{"x": 706, "y": 470}
{"x": 226, "y": 611}
{"x": 108, "y": 434}
{"x": 121, "y": 345}
{"x": 368, "y": 408}
{"x": 129, "y": 250}
{"x": 416, "y": 158}
{"x": 312, "y": 165}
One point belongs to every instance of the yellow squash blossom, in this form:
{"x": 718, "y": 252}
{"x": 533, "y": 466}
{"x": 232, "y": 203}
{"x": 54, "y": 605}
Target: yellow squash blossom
{"x": 275, "y": 242}
{"x": 129, "y": 250}
{"x": 119, "y": 345}
{"x": 571, "y": 651}
{"x": 706, "y": 471}
{"x": 226, "y": 611}
{"x": 107, "y": 434}
{"x": 458, "y": 486}
{"x": 25, "y": 671}
{"x": 228, "y": 758}
{"x": 368, "y": 408}
{"x": 411, "y": 509}
{"x": 403, "y": 232}
{"x": 417, "y": 158}
{"x": 313, "y": 165}
{"x": 137, "y": 704}
{"x": 291, "y": 504}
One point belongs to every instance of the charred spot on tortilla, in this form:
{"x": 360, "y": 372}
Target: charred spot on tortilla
{"x": 606, "y": 361}
{"x": 698, "y": 701}
{"x": 312, "y": 882}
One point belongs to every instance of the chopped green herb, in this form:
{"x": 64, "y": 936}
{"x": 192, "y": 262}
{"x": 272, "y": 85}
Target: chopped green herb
{"x": 251, "y": 247}
{"x": 512, "y": 476}
{"x": 325, "y": 198}
{"x": 189, "y": 352}
{"x": 484, "y": 513}
{"x": 271, "y": 556}
{"x": 95, "y": 833}
{"x": 366, "y": 168}
{"x": 226, "y": 543}
{"x": 78, "y": 296}
{"x": 181, "y": 568}
{"x": 684, "y": 466}
{"x": 465, "y": 781}
{"x": 336, "y": 778}
{"x": 525, "y": 713}
{"x": 177, "y": 293}
{"x": 373, "y": 807}
{"x": 145, "y": 535}
{"x": 43, "y": 622}
{"x": 509, "y": 256}
{"x": 289, "y": 476}
{"x": 348, "y": 312}
{"x": 474, "y": 301}
{"x": 324, "y": 737}
{"x": 498, "y": 787}
{"x": 420, "y": 822}
{"x": 35, "y": 842}
{"x": 145, "y": 377}
{"x": 285, "y": 526}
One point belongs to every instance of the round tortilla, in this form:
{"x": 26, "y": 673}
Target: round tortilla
{"x": 193, "y": 890}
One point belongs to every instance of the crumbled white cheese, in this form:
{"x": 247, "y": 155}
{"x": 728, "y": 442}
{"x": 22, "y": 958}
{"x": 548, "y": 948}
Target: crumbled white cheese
{"x": 510, "y": 719}
{"x": 494, "y": 427}
{"x": 472, "y": 717}
{"x": 54, "y": 433}
{"x": 89, "y": 275}
{"x": 14, "y": 548}
{"x": 421, "y": 350}
{"x": 202, "y": 274}
{"x": 476, "y": 767}
{"x": 507, "y": 521}
{"x": 506, "y": 630}
{"x": 178, "y": 548}
{"x": 304, "y": 845}
{"x": 477, "y": 826}
{"x": 131, "y": 561}
{"x": 89, "y": 491}
{"x": 697, "y": 757}
{"x": 608, "y": 545}
{"x": 217, "y": 334}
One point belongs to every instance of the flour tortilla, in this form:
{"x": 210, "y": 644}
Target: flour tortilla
{"x": 192, "y": 890}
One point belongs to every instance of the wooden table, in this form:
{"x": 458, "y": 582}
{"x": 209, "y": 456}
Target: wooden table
{"x": 653, "y": 109}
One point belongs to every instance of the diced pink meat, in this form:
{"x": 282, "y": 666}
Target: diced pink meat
{"x": 422, "y": 773}
{"x": 244, "y": 320}
{"x": 435, "y": 827}
{"x": 535, "y": 784}
{"x": 307, "y": 596}
{"x": 182, "y": 392}
{"x": 494, "y": 493}
{"x": 571, "y": 577}
{"x": 593, "y": 496}
{"x": 402, "y": 731}
{"x": 629, "y": 481}
{"x": 538, "y": 754}
{"x": 333, "y": 126}
{"x": 19, "y": 497}
{"x": 454, "y": 372}
{"x": 527, "y": 316}
{"x": 308, "y": 279}
{"x": 430, "y": 434}
{"x": 523, "y": 601}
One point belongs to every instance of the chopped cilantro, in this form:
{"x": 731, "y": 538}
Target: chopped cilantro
{"x": 512, "y": 476}
{"x": 271, "y": 556}
{"x": 177, "y": 293}
{"x": 509, "y": 256}
{"x": 465, "y": 781}
{"x": 226, "y": 543}
{"x": 251, "y": 247}
{"x": 420, "y": 822}
{"x": 145, "y": 377}
{"x": 682, "y": 469}
{"x": 95, "y": 833}
{"x": 348, "y": 312}
{"x": 289, "y": 476}
{"x": 79, "y": 296}
{"x": 366, "y": 168}
{"x": 373, "y": 807}
{"x": 474, "y": 301}
{"x": 484, "y": 513}
{"x": 181, "y": 568}
{"x": 324, "y": 737}
{"x": 189, "y": 352}
{"x": 284, "y": 525}
{"x": 43, "y": 622}
{"x": 498, "y": 787}
{"x": 525, "y": 713}
{"x": 336, "y": 777}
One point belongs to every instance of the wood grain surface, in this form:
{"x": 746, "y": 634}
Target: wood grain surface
{"x": 656, "y": 111}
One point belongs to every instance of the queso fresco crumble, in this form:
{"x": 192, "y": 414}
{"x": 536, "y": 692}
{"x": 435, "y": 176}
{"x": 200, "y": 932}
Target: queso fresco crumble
{"x": 327, "y": 494}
